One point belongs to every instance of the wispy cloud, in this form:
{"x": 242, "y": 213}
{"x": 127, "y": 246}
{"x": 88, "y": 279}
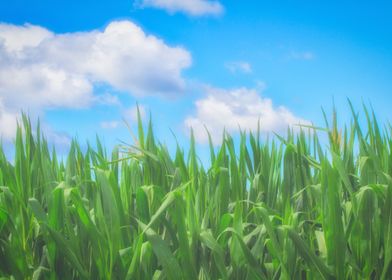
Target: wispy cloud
{"x": 128, "y": 115}
{"x": 109, "y": 124}
{"x": 131, "y": 113}
{"x": 304, "y": 55}
{"x": 107, "y": 99}
{"x": 233, "y": 109}
{"x": 190, "y": 7}
{"x": 239, "y": 66}
{"x": 61, "y": 140}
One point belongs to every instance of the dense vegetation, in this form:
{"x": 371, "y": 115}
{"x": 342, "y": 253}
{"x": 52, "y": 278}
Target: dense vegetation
{"x": 287, "y": 208}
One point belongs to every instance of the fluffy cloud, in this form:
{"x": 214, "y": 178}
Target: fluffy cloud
{"x": 238, "y": 108}
{"x": 191, "y": 7}
{"x": 41, "y": 85}
{"x": 239, "y": 66}
{"x": 109, "y": 124}
{"x": 16, "y": 38}
{"x": 41, "y": 70}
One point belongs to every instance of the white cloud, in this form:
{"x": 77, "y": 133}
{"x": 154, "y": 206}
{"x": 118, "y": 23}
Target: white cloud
{"x": 239, "y": 66}
{"x": 8, "y": 123}
{"x": 16, "y": 38}
{"x": 237, "y": 108}
{"x": 109, "y": 124}
{"x": 305, "y": 55}
{"x": 107, "y": 99}
{"x": 41, "y": 70}
{"x": 191, "y": 7}
{"x": 41, "y": 85}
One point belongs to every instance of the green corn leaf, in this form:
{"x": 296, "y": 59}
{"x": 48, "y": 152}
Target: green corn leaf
{"x": 163, "y": 253}
{"x": 309, "y": 255}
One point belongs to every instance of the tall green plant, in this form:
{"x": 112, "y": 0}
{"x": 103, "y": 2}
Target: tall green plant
{"x": 281, "y": 208}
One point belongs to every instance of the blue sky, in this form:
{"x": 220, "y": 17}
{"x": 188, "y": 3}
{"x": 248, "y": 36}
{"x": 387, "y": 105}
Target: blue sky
{"x": 81, "y": 66}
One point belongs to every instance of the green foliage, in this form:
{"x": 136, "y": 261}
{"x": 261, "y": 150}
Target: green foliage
{"x": 283, "y": 208}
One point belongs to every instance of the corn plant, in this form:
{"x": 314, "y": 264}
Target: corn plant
{"x": 283, "y": 208}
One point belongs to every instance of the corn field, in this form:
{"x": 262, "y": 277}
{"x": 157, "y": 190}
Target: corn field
{"x": 285, "y": 208}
